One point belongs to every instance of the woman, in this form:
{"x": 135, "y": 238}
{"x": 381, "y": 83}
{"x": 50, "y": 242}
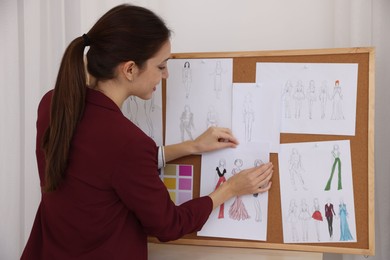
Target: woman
{"x": 101, "y": 193}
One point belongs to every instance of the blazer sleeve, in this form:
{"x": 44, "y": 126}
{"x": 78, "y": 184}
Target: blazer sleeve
{"x": 137, "y": 182}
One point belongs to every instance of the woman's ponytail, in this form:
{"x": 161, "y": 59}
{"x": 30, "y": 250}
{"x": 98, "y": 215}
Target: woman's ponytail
{"x": 67, "y": 107}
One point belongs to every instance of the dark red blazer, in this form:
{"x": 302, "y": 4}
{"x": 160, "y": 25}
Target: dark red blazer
{"x": 112, "y": 197}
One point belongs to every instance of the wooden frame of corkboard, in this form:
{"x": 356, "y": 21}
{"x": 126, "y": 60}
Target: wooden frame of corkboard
{"x": 362, "y": 149}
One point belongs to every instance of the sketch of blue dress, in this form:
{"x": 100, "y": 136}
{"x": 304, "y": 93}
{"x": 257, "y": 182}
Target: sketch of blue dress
{"x": 345, "y": 233}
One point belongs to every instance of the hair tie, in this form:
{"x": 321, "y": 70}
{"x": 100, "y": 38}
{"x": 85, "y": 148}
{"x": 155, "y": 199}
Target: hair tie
{"x": 87, "y": 41}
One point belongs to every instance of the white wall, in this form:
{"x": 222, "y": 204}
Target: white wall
{"x": 42, "y": 29}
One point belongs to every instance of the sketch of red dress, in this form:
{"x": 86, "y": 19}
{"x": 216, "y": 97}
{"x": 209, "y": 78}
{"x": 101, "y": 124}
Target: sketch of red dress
{"x": 237, "y": 210}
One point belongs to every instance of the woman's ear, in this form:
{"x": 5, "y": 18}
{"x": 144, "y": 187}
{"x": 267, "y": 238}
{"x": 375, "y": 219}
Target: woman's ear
{"x": 129, "y": 69}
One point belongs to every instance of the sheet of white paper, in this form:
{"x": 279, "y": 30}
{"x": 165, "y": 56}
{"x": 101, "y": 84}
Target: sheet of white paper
{"x": 198, "y": 96}
{"x": 307, "y": 185}
{"x": 146, "y": 114}
{"x": 256, "y": 114}
{"x": 244, "y": 217}
{"x": 317, "y": 98}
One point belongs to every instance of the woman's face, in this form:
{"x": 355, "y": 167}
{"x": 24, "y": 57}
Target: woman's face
{"x": 155, "y": 69}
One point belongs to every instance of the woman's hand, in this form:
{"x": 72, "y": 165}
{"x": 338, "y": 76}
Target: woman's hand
{"x": 214, "y": 138}
{"x": 252, "y": 180}
{"x": 248, "y": 181}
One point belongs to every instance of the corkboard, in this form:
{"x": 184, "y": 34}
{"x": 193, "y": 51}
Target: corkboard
{"x": 362, "y": 149}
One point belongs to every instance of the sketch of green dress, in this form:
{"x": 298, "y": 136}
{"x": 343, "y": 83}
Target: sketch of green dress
{"x": 336, "y": 162}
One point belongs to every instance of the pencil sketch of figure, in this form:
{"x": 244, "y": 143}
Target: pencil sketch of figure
{"x": 187, "y": 78}
{"x": 299, "y": 96}
{"x": 186, "y": 123}
{"x": 258, "y": 217}
{"x": 311, "y": 97}
{"x": 304, "y": 217}
{"x": 336, "y": 162}
{"x": 249, "y": 117}
{"x": 323, "y": 97}
{"x": 293, "y": 219}
{"x": 287, "y": 99}
{"x": 329, "y": 213}
{"x": 149, "y": 108}
{"x": 337, "y": 97}
{"x": 237, "y": 210}
{"x": 132, "y": 109}
{"x": 218, "y": 79}
{"x": 296, "y": 169}
{"x": 345, "y": 233}
{"x": 317, "y": 216}
{"x": 212, "y": 117}
{"x": 221, "y": 170}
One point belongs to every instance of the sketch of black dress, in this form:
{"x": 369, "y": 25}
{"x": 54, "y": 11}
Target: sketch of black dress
{"x": 329, "y": 213}
{"x": 304, "y": 217}
{"x": 323, "y": 97}
{"x": 317, "y": 217}
{"x": 186, "y": 123}
{"x": 311, "y": 97}
{"x": 221, "y": 170}
{"x": 258, "y": 217}
{"x": 296, "y": 169}
{"x": 345, "y": 233}
{"x": 212, "y": 117}
{"x": 287, "y": 99}
{"x": 187, "y": 78}
{"x": 336, "y": 162}
{"x": 337, "y": 98}
{"x": 299, "y": 96}
{"x": 292, "y": 219}
{"x": 249, "y": 117}
{"x": 237, "y": 210}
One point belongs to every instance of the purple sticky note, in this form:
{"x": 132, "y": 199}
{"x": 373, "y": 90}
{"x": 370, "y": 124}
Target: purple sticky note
{"x": 185, "y": 170}
{"x": 185, "y": 184}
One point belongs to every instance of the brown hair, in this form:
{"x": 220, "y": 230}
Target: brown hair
{"x": 124, "y": 33}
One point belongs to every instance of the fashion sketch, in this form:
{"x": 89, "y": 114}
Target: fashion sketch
{"x": 258, "y": 217}
{"x": 317, "y": 217}
{"x": 249, "y": 117}
{"x": 299, "y": 96}
{"x": 149, "y": 108}
{"x": 323, "y": 97}
{"x": 132, "y": 108}
{"x": 345, "y": 234}
{"x": 336, "y": 162}
{"x": 218, "y": 79}
{"x": 187, "y": 78}
{"x": 304, "y": 217}
{"x": 311, "y": 97}
{"x": 337, "y": 98}
{"x": 293, "y": 219}
{"x": 329, "y": 213}
{"x": 296, "y": 169}
{"x": 186, "y": 123}
{"x": 287, "y": 99}
{"x": 212, "y": 117}
{"x": 221, "y": 171}
{"x": 237, "y": 210}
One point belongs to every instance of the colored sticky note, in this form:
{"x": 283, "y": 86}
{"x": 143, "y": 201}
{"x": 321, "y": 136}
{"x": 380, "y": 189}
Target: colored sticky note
{"x": 185, "y": 170}
{"x": 170, "y": 169}
{"x": 170, "y": 183}
{"x": 185, "y": 184}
